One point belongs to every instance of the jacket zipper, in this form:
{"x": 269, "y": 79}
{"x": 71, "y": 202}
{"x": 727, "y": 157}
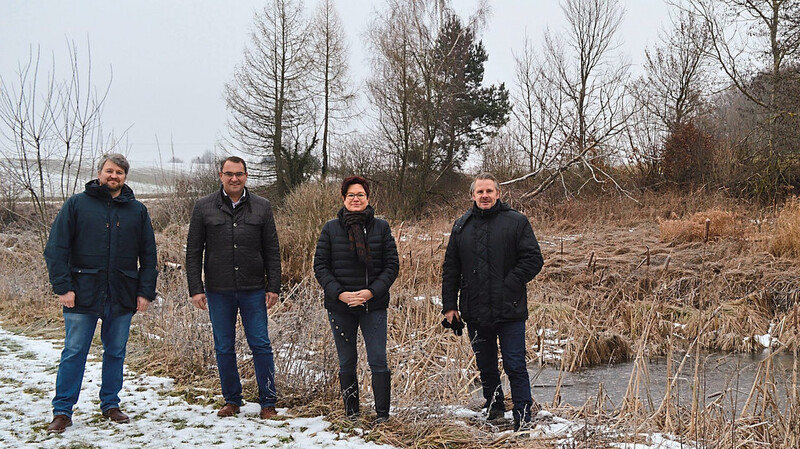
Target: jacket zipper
{"x": 366, "y": 270}
{"x": 109, "y": 232}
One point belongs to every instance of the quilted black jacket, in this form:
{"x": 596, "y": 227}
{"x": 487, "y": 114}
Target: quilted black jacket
{"x": 491, "y": 256}
{"x": 338, "y": 269}
{"x": 238, "y": 248}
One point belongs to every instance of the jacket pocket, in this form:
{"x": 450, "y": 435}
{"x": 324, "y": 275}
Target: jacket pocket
{"x": 128, "y": 286}
{"x": 86, "y": 284}
{"x": 465, "y": 298}
{"x": 214, "y": 220}
{"x": 514, "y": 298}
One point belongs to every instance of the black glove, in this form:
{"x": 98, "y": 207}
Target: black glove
{"x": 457, "y": 325}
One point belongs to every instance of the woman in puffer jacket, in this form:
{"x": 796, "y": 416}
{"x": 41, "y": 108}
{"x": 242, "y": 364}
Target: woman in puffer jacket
{"x": 355, "y": 263}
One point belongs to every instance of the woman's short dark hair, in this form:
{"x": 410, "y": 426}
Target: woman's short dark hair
{"x": 350, "y": 180}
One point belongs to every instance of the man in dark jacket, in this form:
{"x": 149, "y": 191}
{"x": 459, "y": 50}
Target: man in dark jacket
{"x": 101, "y": 258}
{"x": 491, "y": 256}
{"x": 232, "y": 236}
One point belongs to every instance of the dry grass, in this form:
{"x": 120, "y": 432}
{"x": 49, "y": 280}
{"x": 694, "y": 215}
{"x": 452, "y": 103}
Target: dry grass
{"x": 786, "y": 239}
{"x": 299, "y": 222}
{"x": 722, "y": 224}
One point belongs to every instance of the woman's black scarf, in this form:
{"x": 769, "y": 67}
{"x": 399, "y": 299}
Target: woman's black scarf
{"x": 355, "y": 222}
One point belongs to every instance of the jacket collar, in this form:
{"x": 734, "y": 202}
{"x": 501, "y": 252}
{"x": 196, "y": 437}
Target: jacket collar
{"x": 100, "y": 191}
{"x": 494, "y": 210}
{"x": 369, "y": 211}
{"x": 224, "y": 203}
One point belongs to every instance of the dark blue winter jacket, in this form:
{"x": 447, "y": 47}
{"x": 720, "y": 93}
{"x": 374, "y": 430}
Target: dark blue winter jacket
{"x": 103, "y": 249}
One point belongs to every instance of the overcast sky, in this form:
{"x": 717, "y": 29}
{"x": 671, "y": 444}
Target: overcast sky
{"x": 171, "y": 58}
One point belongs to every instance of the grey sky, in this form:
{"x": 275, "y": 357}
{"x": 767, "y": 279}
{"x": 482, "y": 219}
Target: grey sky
{"x": 171, "y": 58}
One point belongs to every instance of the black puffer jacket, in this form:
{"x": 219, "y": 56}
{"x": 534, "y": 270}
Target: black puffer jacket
{"x": 240, "y": 245}
{"x": 492, "y": 254}
{"x": 103, "y": 249}
{"x": 338, "y": 269}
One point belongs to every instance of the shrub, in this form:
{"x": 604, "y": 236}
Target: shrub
{"x": 186, "y": 190}
{"x": 300, "y": 221}
{"x": 723, "y": 224}
{"x": 688, "y": 154}
{"x": 786, "y": 241}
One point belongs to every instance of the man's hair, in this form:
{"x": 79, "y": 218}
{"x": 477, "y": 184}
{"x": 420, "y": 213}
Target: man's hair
{"x": 235, "y": 160}
{"x": 115, "y": 158}
{"x": 350, "y": 180}
{"x": 484, "y": 175}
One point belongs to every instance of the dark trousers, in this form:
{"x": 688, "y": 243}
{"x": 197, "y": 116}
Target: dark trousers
{"x": 345, "y": 332}
{"x": 512, "y": 345}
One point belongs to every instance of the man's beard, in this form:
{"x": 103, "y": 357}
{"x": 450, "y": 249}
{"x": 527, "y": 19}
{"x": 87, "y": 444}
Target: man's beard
{"x": 117, "y": 189}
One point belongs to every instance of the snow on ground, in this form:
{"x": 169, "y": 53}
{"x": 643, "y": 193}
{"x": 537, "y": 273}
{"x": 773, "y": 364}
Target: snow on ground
{"x": 27, "y": 382}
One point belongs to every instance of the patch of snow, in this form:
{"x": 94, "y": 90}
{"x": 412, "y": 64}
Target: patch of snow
{"x": 764, "y": 340}
{"x": 27, "y": 381}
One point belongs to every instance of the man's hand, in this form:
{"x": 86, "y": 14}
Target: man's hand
{"x": 271, "y": 299}
{"x": 450, "y": 314}
{"x": 199, "y": 301}
{"x": 142, "y": 304}
{"x": 67, "y": 299}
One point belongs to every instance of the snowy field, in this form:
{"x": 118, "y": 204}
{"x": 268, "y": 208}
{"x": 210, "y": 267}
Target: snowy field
{"x": 27, "y": 381}
{"x": 27, "y": 376}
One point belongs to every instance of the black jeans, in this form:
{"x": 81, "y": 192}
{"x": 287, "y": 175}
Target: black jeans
{"x": 512, "y": 344}
{"x": 345, "y": 332}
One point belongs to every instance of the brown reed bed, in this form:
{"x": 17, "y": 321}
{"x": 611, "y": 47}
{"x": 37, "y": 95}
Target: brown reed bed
{"x": 613, "y": 289}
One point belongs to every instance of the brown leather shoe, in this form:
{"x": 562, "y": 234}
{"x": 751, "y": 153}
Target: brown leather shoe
{"x": 59, "y": 424}
{"x": 228, "y": 410}
{"x": 116, "y": 415}
{"x": 268, "y": 412}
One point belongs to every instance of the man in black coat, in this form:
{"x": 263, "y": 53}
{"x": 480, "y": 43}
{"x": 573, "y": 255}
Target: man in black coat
{"x": 232, "y": 235}
{"x": 491, "y": 256}
{"x": 101, "y": 258}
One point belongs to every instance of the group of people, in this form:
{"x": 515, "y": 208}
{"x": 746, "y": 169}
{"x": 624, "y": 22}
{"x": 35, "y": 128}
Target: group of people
{"x": 101, "y": 259}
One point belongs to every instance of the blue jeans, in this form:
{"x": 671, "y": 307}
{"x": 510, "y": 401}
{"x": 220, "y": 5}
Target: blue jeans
{"x": 345, "y": 332}
{"x": 251, "y": 305}
{"x": 80, "y": 329}
{"x": 512, "y": 344}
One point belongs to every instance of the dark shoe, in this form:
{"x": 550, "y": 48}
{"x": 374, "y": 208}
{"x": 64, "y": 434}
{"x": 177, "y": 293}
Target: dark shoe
{"x": 349, "y": 385}
{"x": 268, "y": 412}
{"x": 228, "y": 410}
{"x": 59, "y": 424}
{"x": 382, "y": 389}
{"x": 496, "y": 413}
{"x": 116, "y": 415}
{"x": 381, "y": 419}
{"x": 522, "y": 419}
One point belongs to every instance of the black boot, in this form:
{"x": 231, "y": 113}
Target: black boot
{"x": 495, "y": 405}
{"x": 349, "y": 384}
{"x": 382, "y": 388}
{"x": 522, "y": 417}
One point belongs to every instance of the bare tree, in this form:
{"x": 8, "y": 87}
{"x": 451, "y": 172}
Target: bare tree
{"x": 332, "y": 71}
{"x": 676, "y": 73}
{"x": 538, "y": 113}
{"x": 394, "y": 83}
{"x": 671, "y": 93}
{"x": 592, "y": 85}
{"x": 51, "y": 132}
{"x": 270, "y": 97}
